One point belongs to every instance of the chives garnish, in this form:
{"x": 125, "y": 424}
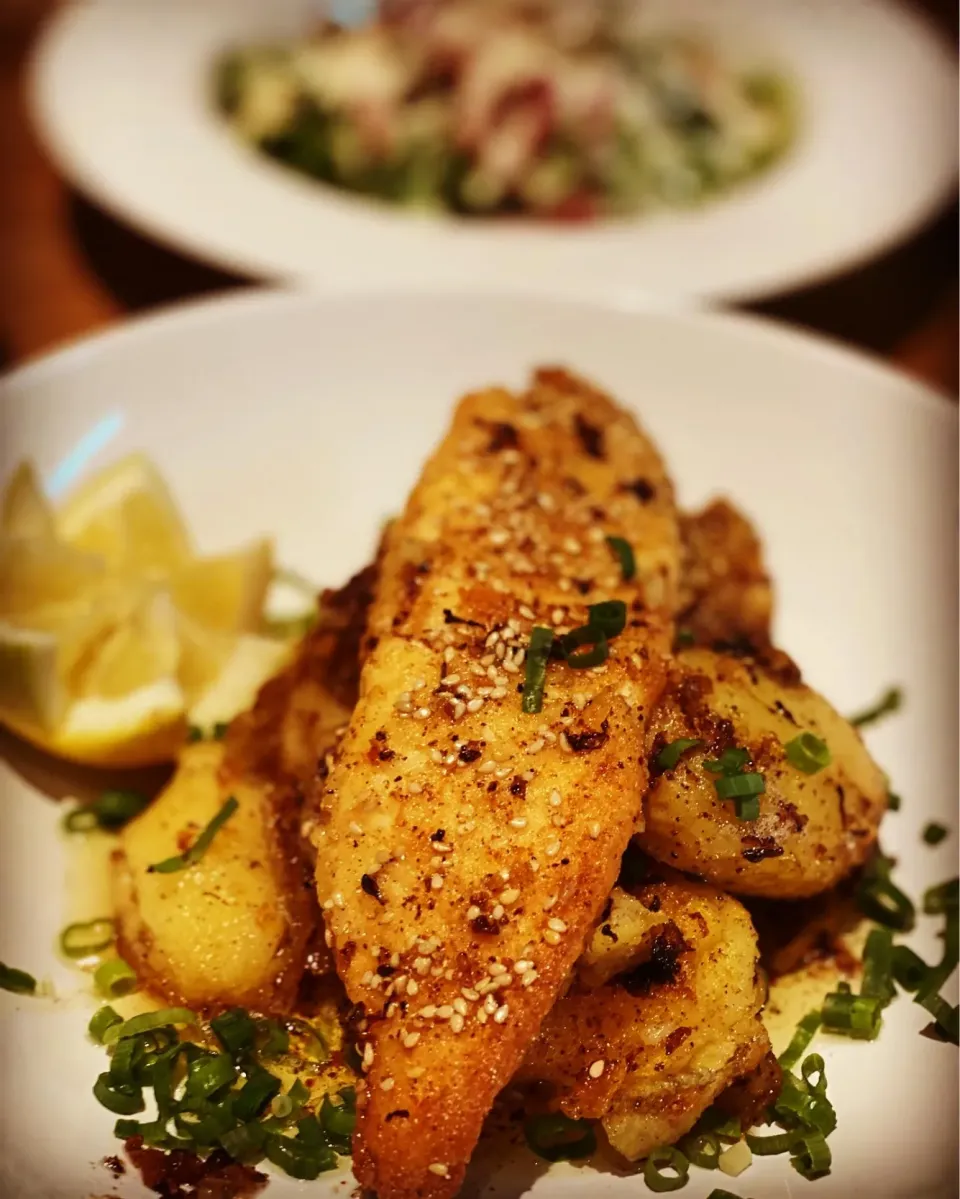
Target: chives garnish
{"x": 702, "y": 1150}
{"x": 339, "y": 1119}
{"x": 812, "y": 1156}
{"x": 590, "y": 657}
{"x": 880, "y": 899}
{"x": 773, "y": 1144}
{"x": 301, "y": 1156}
{"x": 273, "y": 1039}
{"x": 196, "y": 851}
{"x": 890, "y": 701}
{"x": 121, "y": 1099}
{"x": 934, "y": 833}
{"x": 805, "y": 1031}
{"x": 149, "y": 1021}
{"x": 610, "y": 617}
{"x": 673, "y": 751}
{"x": 114, "y": 978}
{"x": 102, "y": 1019}
{"x": 538, "y": 654}
{"x": 739, "y": 786}
{"x": 235, "y": 1030}
{"x": 942, "y": 897}
{"x": 245, "y": 1143}
{"x": 208, "y": 1074}
{"x": 808, "y": 753}
{"x": 111, "y": 811}
{"x": 667, "y": 1157}
{"x": 87, "y": 937}
{"x": 909, "y": 969}
{"x": 730, "y": 761}
{"x": 260, "y": 1089}
{"x": 557, "y": 1138}
{"x": 853, "y": 1015}
{"x": 623, "y": 551}
{"x": 17, "y": 981}
{"x": 878, "y": 965}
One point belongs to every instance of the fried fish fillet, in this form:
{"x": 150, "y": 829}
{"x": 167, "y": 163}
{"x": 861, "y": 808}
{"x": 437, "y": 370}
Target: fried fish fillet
{"x": 466, "y": 847}
{"x": 663, "y": 1014}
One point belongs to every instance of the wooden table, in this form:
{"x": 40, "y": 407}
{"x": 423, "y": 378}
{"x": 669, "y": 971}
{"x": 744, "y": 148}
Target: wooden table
{"x": 66, "y": 268}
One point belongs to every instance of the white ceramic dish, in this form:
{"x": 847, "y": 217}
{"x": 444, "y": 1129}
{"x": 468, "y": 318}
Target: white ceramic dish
{"x": 121, "y": 93}
{"x": 308, "y": 417}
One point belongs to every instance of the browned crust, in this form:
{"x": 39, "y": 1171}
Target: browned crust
{"x": 478, "y": 547}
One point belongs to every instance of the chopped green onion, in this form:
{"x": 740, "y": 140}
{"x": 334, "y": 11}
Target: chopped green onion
{"x": 118, "y": 1098}
{"x": 207, "y": 1074}
{"x": 538, "y": 654}
{"x": 196, "y": 851}
{"x": 272, "y": 1039}
{"x": 878, "y": 965}
{"x": 667, "y": 1157}
{"x": 731, "y": 761}
{"x": 102, "y": 1019}
{"x": 298, "y": 1158}
{"x": 909, "y": 969}
{"x": 772, "y": 1145}
{"x": 110, "y": 811}
{"x": 610, "y": 617}
{"x": 149, "y": 1021}
{"x": 805, "y": 1031}
{"x": 556, "y": 1138}
{"x": 813, "y": 1064}
{"x": 812, "y": 1157}
{"x": 719, "y": 1193}
{"x": 934, "y": 833}
{"x": 623, "y": 551}
{"x": 747, "y": 808}
{"x": 315, "y": 1048}
{"x": 114, "y": 978}
{"x": 235, "y": 1030}
{"x": 673, "y": 751}
{"x": 942, "y": 898}
{"x": 84, "y": 938}
{"x": 339, "y": 1119}
{"x": 220, "y": 729}
{"x": 852, "y": 1015}
{"x": 804, "y": 1104}
{"x": 590, "y": 657}
{"x": 288, "y": 1106}
{"x": 684, "y": 638}
{"x": 893, "y": 801}
{"x": 17, "y": 981}
{"x": 260, "y": 1089}
{"x": 808, "y": 753}
{"x": 946, "y": 1017}
{"x": 739, "y": 786}
{"x": 194, "y": 734}
{"x": 890, "y": 701}
{"x": 245, "y": 1143}
{"x": 702, "y": 1150}
{"x": 880, "y": 899}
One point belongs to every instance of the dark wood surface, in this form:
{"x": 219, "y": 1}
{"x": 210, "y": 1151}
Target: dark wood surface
{"x": 67, "y": 268}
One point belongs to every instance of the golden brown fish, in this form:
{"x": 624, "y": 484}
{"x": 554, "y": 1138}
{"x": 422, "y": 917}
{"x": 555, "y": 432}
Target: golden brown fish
{"x": 469, "y": 846}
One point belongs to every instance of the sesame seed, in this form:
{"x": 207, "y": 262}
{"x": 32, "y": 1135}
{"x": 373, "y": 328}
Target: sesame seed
{"x": 518, "y": 822}
{"x": 475, "y": 704}
{"x": 555, "y": 799}
{"x": 498, "y": 537}
{"x": 559, "y": 821}
{"x": 421, "y": 965}
{"x": 565, "y": 744}
{"x": 522, "y": 966}
{"x": 597, "y": 1068}
{"x": 410, "y": 1040}
{"x": 469, "y": 993}
{"x": 534, "y": 865}
{"x": 451, "y": 680}
{"x": 460, "y": 1005}
{"x": 412, "y": 986}
{"x": 557, "y": 925}
{"x": 415, "y": 788}
{"x": 511, "y": 895}
{"x": 387, "y": 1084}
{"x": 423, "y": 713}
{"x": 594, "y": 830}
{"x": 527, "y": 613}
{"x": 550, "y": 902}
{"x": 489, "y": 1005}
{"x": 487, "y": 767}
{"x": 367, "y": 1056}
{"x": 448, "y": 654}
{"x": 551, "y": 937}
{"x": 492, "y": 639}
{"x": 529, "y": 978}
{"x": 355, "y": 828}
{"x": 482, "y": 1016}
{"x": 473, "y": 912}
{"x": 458, "y": 710}
{"x": 535, "y": 746}
{"x": 444, "y": 1012}
{"x": 553, "y": 849}
{"x": 416, "y": 1072}
{"x": 497, "y": 911}
{"x": 436, "y": 882}
{"x": 456, "y": 1022}
{"x": 428, "y": 1012}
{"x": 439, "y": 1168}
{"x": 501, "y": 1014}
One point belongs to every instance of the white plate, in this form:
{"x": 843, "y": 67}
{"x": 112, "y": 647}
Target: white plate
{"x": 309, "y": 416}
{"x": 121, "y": 93}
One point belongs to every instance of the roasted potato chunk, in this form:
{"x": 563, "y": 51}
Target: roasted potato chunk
{"x": 813, "y": 829}
{"x": 648, "y": 1050}
{"x": 231, "y": 928}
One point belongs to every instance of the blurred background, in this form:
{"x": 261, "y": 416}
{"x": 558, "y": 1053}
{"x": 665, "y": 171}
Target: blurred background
{"x": 69, "y": 268}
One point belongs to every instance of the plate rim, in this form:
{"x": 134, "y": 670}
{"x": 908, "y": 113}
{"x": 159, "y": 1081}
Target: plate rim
{"x": 249, "y": 264}
{"x": 247, "y": 300}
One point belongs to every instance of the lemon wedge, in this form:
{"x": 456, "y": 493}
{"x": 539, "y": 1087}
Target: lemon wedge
{"x": 226, "y": 592}
{"x": 25, "y": 511}
{"x": 114, "y": 638}
{"x": 127, "y": 516}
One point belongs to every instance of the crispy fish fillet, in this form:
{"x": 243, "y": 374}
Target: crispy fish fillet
{"x": 469, "y": 847}
{"x": 663, "y": 1014}
{"x": 725, "y": 590}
